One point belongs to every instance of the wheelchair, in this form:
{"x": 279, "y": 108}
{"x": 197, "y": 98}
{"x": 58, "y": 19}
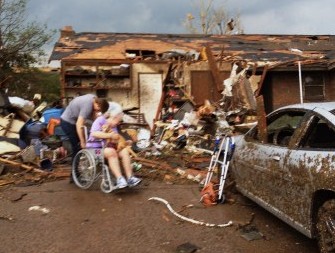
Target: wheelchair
{"x": 88, "y": 167}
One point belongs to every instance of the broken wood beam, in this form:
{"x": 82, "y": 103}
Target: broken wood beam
{"x": 5, "y": 182}
{"x": 261, "y": 118}
{"x": 214, "y": 69}
{"x": 60, "y": 174}
{"x": 260, "y": 85}
{"x": 23, "y": 166}
{"x": 162, "y": 98}
{"x": 151, "y": 163}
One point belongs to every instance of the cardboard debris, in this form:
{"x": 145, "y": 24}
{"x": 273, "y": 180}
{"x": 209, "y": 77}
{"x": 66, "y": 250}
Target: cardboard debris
{"x": 7, "y": 147}
{"x": 10, "y": 127}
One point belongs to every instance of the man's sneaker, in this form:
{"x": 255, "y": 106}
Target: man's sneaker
{"x": 121, "y": 183}
{"x": 133, "y": 181}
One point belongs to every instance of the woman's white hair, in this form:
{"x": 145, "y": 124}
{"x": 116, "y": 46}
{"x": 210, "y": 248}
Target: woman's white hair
{"x": 114, "y": 110}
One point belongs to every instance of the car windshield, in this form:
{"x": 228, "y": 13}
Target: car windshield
{"x": 280, "y": 128}
{"x": 286, "y": 120}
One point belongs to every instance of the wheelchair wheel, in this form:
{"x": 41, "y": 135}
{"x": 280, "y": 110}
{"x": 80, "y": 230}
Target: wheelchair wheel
{"x": 84, "y": 169}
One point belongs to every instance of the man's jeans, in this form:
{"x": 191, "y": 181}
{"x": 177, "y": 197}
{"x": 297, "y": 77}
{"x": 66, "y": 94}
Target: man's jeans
{"x": 71, "y": 132}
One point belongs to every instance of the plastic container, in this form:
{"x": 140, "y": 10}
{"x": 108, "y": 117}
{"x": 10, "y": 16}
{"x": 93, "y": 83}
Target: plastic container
{"x": 51, "y": 113}
{"x": 53, "y": 122}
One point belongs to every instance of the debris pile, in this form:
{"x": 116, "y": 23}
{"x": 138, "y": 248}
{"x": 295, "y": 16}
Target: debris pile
{"x": 32, "y": 139}
{"x": 28, "y": 141}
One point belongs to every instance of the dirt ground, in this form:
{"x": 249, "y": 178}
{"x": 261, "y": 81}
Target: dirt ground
{"x": 59, "y": 217}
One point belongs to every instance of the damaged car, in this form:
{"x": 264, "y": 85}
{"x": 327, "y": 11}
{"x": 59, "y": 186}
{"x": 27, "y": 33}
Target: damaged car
{"x": 288, "y": 168}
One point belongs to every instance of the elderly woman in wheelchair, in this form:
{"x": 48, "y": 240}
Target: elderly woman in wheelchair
{"x": 103, "y": 144}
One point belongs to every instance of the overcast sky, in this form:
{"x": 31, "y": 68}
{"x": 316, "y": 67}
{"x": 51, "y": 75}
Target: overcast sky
{"x": 313, "y": 17}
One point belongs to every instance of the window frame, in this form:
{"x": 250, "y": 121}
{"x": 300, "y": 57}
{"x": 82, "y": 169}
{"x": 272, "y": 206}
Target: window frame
{"x": 318, "y": 80}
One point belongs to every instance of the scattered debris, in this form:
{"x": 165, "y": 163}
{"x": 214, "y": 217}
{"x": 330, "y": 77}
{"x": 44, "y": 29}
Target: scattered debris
{"x": 39, "y": 209}
{"x": 251, "y": 233}
{"x": 15, "y": 196}
{"x": 6, "y": 217}
{"x": 183, "y": 131}
{"x": 187, "y": 248}
{"x": 6, "y": 182}
{"x": 189, "y": 219}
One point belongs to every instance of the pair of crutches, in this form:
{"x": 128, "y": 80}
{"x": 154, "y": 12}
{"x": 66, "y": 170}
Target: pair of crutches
{"x": 223, "y": 151}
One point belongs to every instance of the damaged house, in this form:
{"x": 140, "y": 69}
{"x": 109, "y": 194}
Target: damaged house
{"x": 233, "y": 72}
{"x": 165, "y": 76}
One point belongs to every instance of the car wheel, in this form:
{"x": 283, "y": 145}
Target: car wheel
{"x": 326, "y": 227}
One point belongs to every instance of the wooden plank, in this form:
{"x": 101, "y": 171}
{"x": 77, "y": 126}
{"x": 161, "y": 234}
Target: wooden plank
{"x": 162, "y": 99}
{"x": 261, "y": 117}
{"x": 6, "y": 182}
{"x": 214, "y": 70}
{"x": 23, "y": 166}
{"x": 154, "y": 164}
{"x": 262, "y": 81}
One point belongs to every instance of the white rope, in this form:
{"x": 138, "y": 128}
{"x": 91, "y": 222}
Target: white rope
{"x": 189, "y": 219}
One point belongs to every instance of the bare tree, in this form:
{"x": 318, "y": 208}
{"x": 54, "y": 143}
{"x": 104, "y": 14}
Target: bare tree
{"x": 21, "y": 41}
{"x": 212, "y": 20}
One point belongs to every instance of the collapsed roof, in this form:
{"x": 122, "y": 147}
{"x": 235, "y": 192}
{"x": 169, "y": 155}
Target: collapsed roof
{"x": 274, "y": 50}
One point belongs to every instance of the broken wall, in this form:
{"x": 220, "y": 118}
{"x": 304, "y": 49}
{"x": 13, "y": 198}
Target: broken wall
{"x": 279, "y": 89}
{"x": 200, "y": 83}
{"x": 142, "y": 95}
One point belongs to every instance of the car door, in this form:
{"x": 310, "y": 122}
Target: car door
{"x": 311, "y": 166}
{"x": 260, "y": 168}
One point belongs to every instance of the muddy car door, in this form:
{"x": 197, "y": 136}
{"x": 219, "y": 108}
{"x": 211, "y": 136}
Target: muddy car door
{"x": 311, "y": 166}
{"x": 260, "y": 168}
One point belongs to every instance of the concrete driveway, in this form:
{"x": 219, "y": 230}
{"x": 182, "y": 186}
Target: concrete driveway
{"x": 59, "y": 217}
